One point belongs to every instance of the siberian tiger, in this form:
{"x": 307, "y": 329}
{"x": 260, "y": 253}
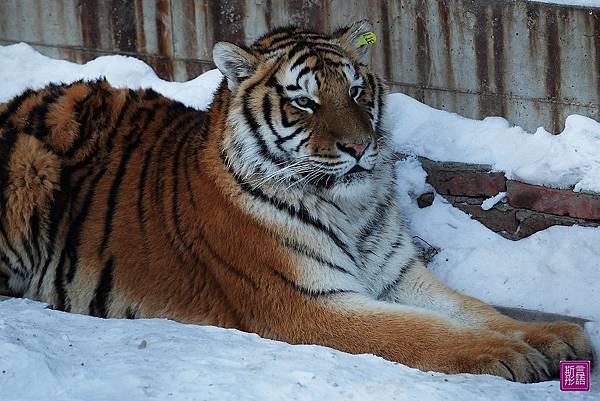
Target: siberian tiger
{"x": 274, "y": 212}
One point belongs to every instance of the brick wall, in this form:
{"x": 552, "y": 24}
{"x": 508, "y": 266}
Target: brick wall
{"x": 525, "y": 210}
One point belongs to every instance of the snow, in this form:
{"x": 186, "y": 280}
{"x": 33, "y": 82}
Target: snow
{"x": 22, "y": 67}
{"x": 51, "y": 355}
{"x": 73, "y": 357}
{"x": 581, "y": 3}
{"x": 571, "y": 159}
{"x": 490, "y": 202}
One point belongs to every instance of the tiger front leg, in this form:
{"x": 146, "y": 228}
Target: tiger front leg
{"x": 556, "y": 341}
{"x": 412, "y": 336}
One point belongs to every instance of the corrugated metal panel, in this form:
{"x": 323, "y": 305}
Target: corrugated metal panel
{"x": 533, "y": 63}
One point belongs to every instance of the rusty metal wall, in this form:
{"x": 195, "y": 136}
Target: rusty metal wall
{"x": 532, "y": 63}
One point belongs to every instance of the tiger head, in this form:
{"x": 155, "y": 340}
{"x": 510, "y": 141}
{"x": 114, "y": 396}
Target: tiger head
{"x": 304, "y": 108}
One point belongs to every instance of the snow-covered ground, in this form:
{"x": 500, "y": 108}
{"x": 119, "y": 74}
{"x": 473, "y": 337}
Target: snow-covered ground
{"x": 49, "y": 355}
{"x": 581, "y": 3}
{"x": 52, "y": 355}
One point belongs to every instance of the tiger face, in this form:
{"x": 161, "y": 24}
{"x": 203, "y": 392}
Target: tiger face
{"x": 305, "y": 109}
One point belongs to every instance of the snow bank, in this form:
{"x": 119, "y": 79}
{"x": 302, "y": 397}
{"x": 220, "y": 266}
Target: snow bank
{"x": 581, "y": 3}
{"x": 22, "y": 67}
{"x": 51, "y": 355}
{"x": 571, "y": 159}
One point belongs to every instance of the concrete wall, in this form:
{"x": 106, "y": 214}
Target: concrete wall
{"x": 530, "y": 62}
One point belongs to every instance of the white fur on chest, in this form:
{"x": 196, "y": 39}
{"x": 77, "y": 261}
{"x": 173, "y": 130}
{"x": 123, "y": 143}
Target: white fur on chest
{"x": 326, "y": 245}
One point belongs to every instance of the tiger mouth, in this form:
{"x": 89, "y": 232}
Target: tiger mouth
{"x": 356, "y": 169}
{"x": 329, "y": 180}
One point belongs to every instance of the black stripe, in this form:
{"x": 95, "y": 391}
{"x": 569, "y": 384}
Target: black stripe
{"x": 304, "y": 141}
{"x": 308, "y": 291}
{"x": 269, "y": 121}
{"x": 98, "y": 304}
{"x": 28, "y": 252}
{"x": 285, "y": 122}
{"x": 254, "y": 126}
{"x": 142, "y": 187}
{"x": 290, "y": 136}
{"x": 301, "y": 60}
{"x": 14, "y": 270}
{"x": 322, "y": 47}
{"x": 131, "y": 312}
{"x": 331, "y": 164}
{"x": 173, "y": 114}
{"x": 93, "y": 152}
{"x": 318, "y": 81}
{"x": 62, "y": 302}
{"x": 332, "y": 204}
{"x": 186, "y": 175}
{"x": 309, "y": 253}
{"x": 13, "y": 106}
{"x": 88, "y": 121}
{"x": 9, "y": 246}
{"x": 302, "y": 72}
{"x": 36, "y": 124}
{"x": 73, "y": 241}
{"x": 164, "y": 152}
{"x": 151, "y": 94}
{"x": 272, "y": 82}
{"x": 125, "y": 156}
{"x": 378, "y": 91}
{"x": 329, "y": 156}
{"x": 327, "y": 49}
{"x": 291, "y": 37}
{"x": 401, "y": 274}
{"x": 300, "y": 213}
{"x": 57, "y": 211}
{"x": 297, "y": 45}
{"x": 34, "y": 223}
{"x": 175, "y": 189}
{"x": 379, "y": 107}
{"x": 386, "y": 258}
{"x": 377, "y": 219}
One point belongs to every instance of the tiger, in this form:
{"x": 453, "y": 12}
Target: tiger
{"x": 272, "y": 212}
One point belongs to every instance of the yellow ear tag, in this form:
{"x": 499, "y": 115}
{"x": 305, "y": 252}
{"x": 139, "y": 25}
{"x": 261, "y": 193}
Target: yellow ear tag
{"x": 367, "y": 38}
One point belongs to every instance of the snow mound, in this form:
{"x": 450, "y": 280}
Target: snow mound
{"x": 22, "y": 67}
{"x": 571, "y": 159}
{"x": 51, "y": 355}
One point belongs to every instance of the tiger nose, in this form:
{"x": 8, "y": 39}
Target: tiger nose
{"x": 354, "y": 149}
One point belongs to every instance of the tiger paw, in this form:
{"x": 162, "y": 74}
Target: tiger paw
{"x": 558, "y": 341}
{"x": 503, "y": 356}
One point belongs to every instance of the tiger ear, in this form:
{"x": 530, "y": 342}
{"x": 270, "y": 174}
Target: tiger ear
{"x": 349, "y": 36}
{"x": 234, "y": 62}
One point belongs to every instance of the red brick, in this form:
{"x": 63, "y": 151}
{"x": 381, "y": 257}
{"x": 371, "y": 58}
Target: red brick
{"x": 498, "y": 219}
{"x": 459, "y": 179}
{"x": 562, "y": 202}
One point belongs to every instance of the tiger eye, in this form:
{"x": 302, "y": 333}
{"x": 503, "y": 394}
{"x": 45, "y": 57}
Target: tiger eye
{"x": 303, "y": 101}
{"x": 355, "y": 91}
